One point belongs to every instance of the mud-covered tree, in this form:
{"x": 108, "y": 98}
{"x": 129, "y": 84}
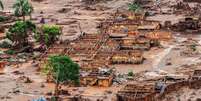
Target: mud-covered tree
{"x": 62, "y": 70}
{"x": 19, "y": 33}
{"x": 48, "y": 34}
{"x": 22, "y": 8}
{"x": 1, "y": 5}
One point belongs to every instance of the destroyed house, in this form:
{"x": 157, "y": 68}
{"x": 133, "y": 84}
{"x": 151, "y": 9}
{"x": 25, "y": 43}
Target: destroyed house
{"x": 136, "y": 92}
{"x": 198, "y": 1}
{"x": 101, "y": 77}
{"x": 129, "y": 15}
{"x": 159, "y": 35}
{"x": 195, "y": 80}
{"x": 86, "y": 46}
{"x": 141, "y": 43}
{"x": 169, "y": 84}
{"x": 188, "y": 23}
{"x": 127, "y": 57}
{"x": 148, "y": 25}
{"x": 110, "y": 46}
{"x": 122, "y": 30}
{"x": 196, "y": 75}
{"x": 105, "y": 52}
{"x": 90, "y": 65}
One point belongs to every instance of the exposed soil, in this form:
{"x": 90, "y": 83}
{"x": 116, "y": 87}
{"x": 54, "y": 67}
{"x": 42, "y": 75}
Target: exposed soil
{"x": 71, "y": 14}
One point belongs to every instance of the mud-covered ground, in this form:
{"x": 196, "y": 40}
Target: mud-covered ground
{"x": 72, "y": 13}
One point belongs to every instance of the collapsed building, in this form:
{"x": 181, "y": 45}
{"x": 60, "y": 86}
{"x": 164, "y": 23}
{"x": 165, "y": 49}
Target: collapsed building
{"x": 138, "y": 43}
{"x": 198, "y": 1}
{"x": 129, "y": 15}
{"x": 154, "y": 90}
{"x": 101, "y": 77}
{"x": 159, "y": 35}
{"x": 195, "y": 79}
{"x": 142, "y": 91}
{"x": 127, "y": 57}
{"x": 188, "y": 23}
{"x": 181, "y": 6}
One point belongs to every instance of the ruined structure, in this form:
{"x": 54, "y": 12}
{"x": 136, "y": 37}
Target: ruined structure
{"x": 196, "y": 79}
{"x": 198, "y": 1}
{"x": 159, "y": 35}
{"x": 137, "y": 92}
{"x": 148, "y": 25}
{"x": 154, "y": 90}
{"x": 127, "y": 57}
{"x": 129, "y": 15}
{"x": 101, "y": 77}
{"x": 140, "y": 42}
{"x": 189, "y": 23}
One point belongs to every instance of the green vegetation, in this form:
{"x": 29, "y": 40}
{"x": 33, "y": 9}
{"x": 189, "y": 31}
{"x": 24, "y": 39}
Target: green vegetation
{"x": 48, "y": 34}
{"x": 3, "y": 18}
{"x": 5, "y": 44}
{"x": 22, "y": 8}
{"x": 19, "y": 33}
{"x": 10, "y": 52}
{"x": 63, "y": 70}
{"x": 1, "y": 5}
{"x": 193, "y": 47}
{"x": 134, "y": 7}
{"x": 130, "y": 73}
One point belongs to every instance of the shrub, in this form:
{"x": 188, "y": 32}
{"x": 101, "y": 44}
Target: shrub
{"x": 18, "y": 33}
{"x": 10, "y": 52}
{"x": 49, "y": 34}
{"x": 3, "y": 18}
{"x": 134, "y": 7}
{"x": 6, "y": 43}
{"x": 193, "y": 47}
{"x": 130, "y": 73}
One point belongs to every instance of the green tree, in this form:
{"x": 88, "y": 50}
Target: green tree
{"x": 134, "y": 7}
{"x": 22, "y": 8}
{"x": 63, "y": 70}
{"x": 19, "y": 33}
{"x": 1, "y": 5}
{"x": 48, "y": 34}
